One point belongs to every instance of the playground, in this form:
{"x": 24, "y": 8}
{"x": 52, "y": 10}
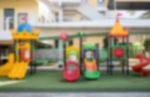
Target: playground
{"x": 81, "y": 66}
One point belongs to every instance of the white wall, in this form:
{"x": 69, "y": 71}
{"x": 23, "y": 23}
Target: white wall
{"x": 46, "y": 15}
{"x": 20, "y": 6}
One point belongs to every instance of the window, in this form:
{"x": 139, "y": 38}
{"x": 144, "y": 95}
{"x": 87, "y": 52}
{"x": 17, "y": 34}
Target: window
{"x": 100, "y": 2}
{"x": 56, "y": 17}
{"x": 22, "y": 18}
{"x": 8, "y": 19}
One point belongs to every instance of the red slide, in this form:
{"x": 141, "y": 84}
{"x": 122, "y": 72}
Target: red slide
{"x": 139, "y": 68}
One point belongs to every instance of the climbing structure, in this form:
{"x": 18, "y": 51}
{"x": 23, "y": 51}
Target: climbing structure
{"x": 24, "y": 39}
{"x": 118, "y": 47}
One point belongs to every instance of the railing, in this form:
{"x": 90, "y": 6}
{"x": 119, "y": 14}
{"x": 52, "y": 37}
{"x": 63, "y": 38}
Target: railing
{"x": 48, "y": 54}
{"x": 103, "y": 22}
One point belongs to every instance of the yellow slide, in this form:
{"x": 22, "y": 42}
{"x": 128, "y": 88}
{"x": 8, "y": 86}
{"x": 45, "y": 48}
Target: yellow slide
{"x": 19, "y": 70}
{"x": 6, "y": 68}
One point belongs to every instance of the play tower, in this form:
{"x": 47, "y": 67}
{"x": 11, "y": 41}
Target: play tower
{"x": 118, "y": 51}
{"x": 24, "y": 40}
{"x": 18, "y": 61}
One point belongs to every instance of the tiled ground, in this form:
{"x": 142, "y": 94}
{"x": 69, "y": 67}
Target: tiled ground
{"x": 101, "y": 94}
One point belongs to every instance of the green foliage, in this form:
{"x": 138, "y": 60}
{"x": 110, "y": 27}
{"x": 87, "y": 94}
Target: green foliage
{"x": 103, "y": 54}
{"x": 80, "y": 34}
{"x": 147, "y": 44}
{"x": 137, "y": 47}
{"x": 131, "y": 50}
{"x": 106, "y": 44}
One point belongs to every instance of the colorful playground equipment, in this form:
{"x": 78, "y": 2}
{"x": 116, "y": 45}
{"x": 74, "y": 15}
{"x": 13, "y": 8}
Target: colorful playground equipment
{"x": 24, "y": 38}
{"x": 6, "y": 68}
{"x": 118, "y": 51}
{"x": 71, "y": 60}
{"x": 140, "y": 68}
{"x": 72, "y": 67}
{"x": 83, "y": 61}
{"x": 87, "y": 64}
{"x": 91, "y": 62}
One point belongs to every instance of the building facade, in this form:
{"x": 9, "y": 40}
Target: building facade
{"x": 51, "y": 17}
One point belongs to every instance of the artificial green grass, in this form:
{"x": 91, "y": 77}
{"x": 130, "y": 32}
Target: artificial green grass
{"x": 53, "y": 81}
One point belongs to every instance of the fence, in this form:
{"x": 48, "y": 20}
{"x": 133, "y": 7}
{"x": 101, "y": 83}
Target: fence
{"x": 48, "y": 54}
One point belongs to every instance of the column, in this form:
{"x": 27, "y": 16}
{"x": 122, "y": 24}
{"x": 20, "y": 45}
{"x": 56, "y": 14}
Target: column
{"x": 60, "y": 49}
{"x": 60, "y": 13}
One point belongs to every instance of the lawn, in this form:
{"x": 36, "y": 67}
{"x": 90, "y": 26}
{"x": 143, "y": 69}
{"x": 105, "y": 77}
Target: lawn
{"x": 53, "y": 81}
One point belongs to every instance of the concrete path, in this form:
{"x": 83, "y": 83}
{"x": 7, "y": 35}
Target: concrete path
{"x": 81, "y": 94}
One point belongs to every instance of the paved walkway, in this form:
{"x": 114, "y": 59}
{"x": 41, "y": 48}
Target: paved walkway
{"x": 101, "y": 94}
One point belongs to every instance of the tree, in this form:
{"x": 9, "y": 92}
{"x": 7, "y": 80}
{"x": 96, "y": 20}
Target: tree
{"x": 147, "y": 45}
{"x": 106, "y": 44}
